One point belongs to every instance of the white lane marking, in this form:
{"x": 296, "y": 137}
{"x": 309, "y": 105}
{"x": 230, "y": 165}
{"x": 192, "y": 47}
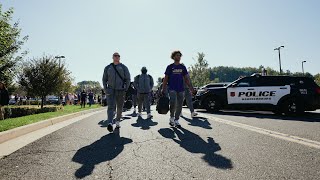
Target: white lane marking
{"x": 283, "y": 136}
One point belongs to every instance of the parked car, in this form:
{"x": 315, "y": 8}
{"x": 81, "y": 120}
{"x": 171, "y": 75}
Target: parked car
{"x": 53, "y": 100}
{"x": 204, "y": 88}
{"x": 281, "y": 94}
{"x": 12, "y": 102}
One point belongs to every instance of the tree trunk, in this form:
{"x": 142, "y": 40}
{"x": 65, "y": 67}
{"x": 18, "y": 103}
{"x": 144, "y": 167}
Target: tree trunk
{"x": 42, "y": 101}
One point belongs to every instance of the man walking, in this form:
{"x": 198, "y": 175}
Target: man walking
{"x": 175, "y": 76}
{"x": 116, "y": 81}
{"x": 188, "y": 97}
{"x": 133, "y": 93}
{"x": 144, "y": 84}
{"x": 91, "y": 96}
{"x": 83, "y": 96}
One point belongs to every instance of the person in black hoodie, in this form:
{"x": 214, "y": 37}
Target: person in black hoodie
{"x": 83, "y": 96}
{"x": 4, "y": 99}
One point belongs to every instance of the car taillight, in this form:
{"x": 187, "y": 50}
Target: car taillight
{"x": 318, "y": 90}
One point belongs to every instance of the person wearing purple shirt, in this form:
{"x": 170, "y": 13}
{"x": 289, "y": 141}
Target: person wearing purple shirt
{"x": 175, "y": 76}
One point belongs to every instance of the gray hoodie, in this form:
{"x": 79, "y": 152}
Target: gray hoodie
{"x": 144, "y": 83}
{"x": 111, "y": 79}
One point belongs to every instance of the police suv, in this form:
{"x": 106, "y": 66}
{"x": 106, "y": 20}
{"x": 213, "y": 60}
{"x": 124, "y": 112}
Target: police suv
{"x": 280, "y": 94}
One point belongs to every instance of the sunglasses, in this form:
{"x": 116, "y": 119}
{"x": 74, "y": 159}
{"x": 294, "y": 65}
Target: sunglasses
{"x": 116, "y": 55}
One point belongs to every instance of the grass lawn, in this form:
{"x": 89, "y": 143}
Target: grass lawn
{"x": 21, "y": 121}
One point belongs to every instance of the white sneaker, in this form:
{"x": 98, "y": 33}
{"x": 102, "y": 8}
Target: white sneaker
{"x": 118, "y": 124}
{"x": 194, "y": 114}
{"x": 177, "y": 123}
{"x": 149, "y": 116}
{"x": 172, "y": 121}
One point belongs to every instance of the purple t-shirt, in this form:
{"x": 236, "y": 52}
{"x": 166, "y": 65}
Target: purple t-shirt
{"x": 176, "y": 74}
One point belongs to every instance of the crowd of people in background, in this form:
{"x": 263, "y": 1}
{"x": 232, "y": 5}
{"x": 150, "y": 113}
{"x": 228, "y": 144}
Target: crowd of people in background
{"x": 64, "y": 98}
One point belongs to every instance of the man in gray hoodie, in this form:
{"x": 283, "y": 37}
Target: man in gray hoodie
{"x": 116, "y": 81}
{"x": 144, "y": 84}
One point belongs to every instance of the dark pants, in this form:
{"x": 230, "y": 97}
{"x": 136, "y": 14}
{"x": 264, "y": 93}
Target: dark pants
{"x": 83, "y": 103}
{"x": 90, "y": 102}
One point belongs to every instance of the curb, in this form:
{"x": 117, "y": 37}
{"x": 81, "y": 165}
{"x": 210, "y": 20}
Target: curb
{"x": 20, "y": 131}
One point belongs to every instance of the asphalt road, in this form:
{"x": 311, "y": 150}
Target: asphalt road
{"x": 227, "y": 145}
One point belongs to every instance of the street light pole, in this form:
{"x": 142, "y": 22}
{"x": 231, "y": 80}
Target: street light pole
{"x": 279, "y": 50}
{"x": 303, "y": 67}
{"x": 59, "y": 57}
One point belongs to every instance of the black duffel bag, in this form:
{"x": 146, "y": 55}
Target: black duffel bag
{"x": 163, "y": 105}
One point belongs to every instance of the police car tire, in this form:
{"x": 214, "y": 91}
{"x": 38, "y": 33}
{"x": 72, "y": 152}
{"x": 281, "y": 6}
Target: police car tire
{"x": 291, "y": 107}
{"x": 209, "y": 102}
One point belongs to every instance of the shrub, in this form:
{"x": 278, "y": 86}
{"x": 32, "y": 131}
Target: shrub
{"x": 19, "y": 111}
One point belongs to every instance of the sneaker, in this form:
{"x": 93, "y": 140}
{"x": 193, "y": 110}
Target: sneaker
{"x": 110, "y": 127}
{"x": 194, "y": 114}
{"x": 177, "y": 123}
{"x": 118, "y": 124}
{"x": 149, "y": 116}
{"x": 172, "y": 121}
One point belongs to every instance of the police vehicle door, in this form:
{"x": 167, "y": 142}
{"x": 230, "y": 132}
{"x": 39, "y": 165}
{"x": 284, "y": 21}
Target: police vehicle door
{"x": 256, "y": 90}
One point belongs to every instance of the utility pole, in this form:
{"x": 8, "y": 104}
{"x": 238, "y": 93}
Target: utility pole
{"x": 60, "y": 57}
{"x": 279, "y": 50}
{"x": 302, "y": 66}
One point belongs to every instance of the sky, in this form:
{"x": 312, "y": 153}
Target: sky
{"x": 240, "y": 33}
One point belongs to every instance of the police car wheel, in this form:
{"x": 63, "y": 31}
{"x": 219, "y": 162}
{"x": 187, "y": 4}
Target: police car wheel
{"x": 212, "y": 104}
{"x": 291, "y": 107}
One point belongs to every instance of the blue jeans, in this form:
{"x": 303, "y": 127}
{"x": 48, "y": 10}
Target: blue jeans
{"x": 176, "y": 102}
{"x": 188, "y": 97}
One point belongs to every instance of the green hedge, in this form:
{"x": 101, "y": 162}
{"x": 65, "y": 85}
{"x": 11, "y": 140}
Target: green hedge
{"x": 19, "y": 111}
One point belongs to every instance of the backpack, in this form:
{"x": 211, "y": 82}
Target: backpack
{"x": 138, "y": 77}
{"x": 163, "y": 105}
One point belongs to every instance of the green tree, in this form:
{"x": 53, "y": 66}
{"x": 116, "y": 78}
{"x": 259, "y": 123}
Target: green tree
{"x": 10, "y": 44}
{"x": 43, "y": 76}
{"x": 317, "y": 78}
{"x": 199, "y": 72}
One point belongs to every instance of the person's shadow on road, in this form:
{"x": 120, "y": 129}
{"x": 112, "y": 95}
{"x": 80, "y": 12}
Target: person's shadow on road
{"x": 145, "y": 124}
{"x": 198, "y": 121}
{"x": 195, "y": 144}
{"x": 105, "y": 149}
{"x": 103, "y": 123}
